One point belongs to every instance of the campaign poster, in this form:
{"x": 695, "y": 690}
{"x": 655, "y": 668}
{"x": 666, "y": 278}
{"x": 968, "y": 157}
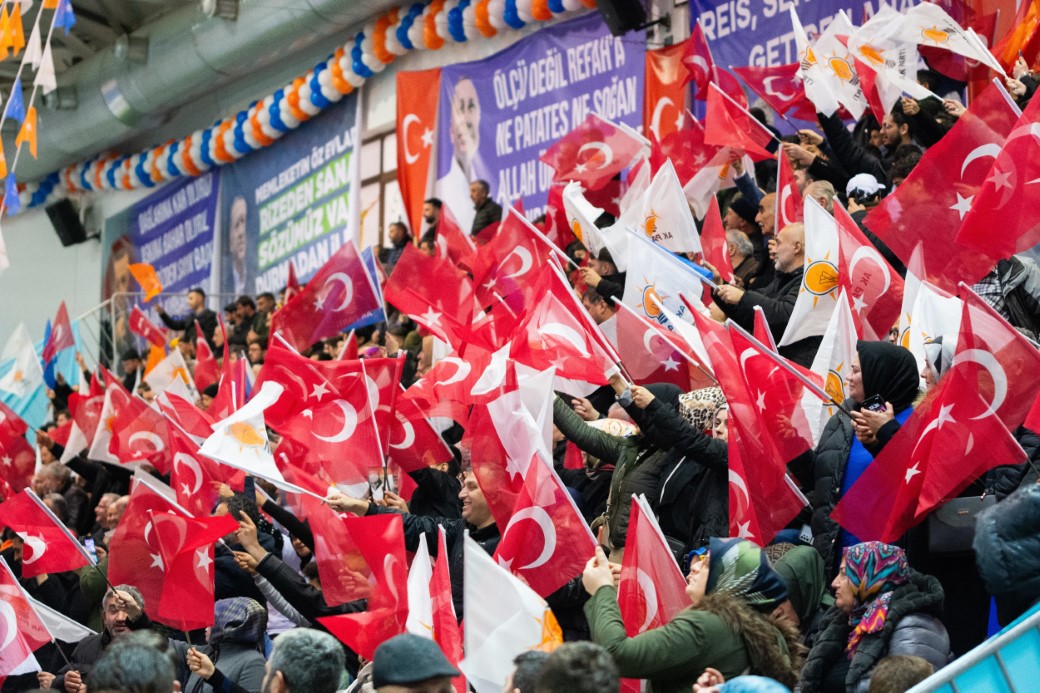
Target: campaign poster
{"x": 759, "y": 32}
{"x": 294, "y": 200}
{"x": 173, "y": 231}
{"x": 499, "y": 114}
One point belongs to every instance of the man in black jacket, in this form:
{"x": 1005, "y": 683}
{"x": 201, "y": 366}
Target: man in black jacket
{"x": 488, "y": 211}
{"x": 777, "y": 299}
{"x": 206, "y": 318}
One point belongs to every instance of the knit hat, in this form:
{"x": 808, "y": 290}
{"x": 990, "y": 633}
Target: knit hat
{"x": 406, "y": 659}
{"x": 739, "y": 568}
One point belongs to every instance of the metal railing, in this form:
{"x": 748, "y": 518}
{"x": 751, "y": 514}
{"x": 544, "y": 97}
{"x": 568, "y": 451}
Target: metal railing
{"x": 105, "y": 329}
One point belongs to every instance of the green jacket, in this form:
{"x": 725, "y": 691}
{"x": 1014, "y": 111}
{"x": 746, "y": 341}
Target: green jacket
{"x": 670, "y": 657}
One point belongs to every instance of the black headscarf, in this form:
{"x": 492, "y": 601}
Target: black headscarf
{"x": 890, "y": 371}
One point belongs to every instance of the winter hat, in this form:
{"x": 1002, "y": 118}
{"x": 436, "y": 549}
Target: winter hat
{"x": 744, "y": 209}
{"x": 739, "y": 568}
{"x": 406, "y": 659}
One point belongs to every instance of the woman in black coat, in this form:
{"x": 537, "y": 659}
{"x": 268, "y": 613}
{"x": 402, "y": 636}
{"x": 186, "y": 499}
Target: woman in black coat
{"x": 846, "y": 448}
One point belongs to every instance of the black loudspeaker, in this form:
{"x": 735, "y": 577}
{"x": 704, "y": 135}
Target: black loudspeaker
{"x": 66, "y": 223}
{"x": 622, "y": 16}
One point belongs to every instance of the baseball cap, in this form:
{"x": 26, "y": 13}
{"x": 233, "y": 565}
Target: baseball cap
{"x": 863, "y": 183}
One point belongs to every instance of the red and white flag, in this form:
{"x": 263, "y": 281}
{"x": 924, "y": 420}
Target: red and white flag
{"x": 474, "y": 376}
{"x": 49, "y": 547}
{"x": 780, "y": 87}
{"x": 143, "y": 327}
{"x": 207, "y": 370}
{"x": 117, "y": 399}
{"x": 140, "y": 434}
{"x": 186, "y": 552}
{"x": 664, "y": 107}
{"x": 433, "y": 292}
{"x": 654, "y": 354}
{"x": 593, "y": 153}
{"x": 86, "y": 413}
{"x": 789, "y": 206}
{"x": 727, "y": 123}
{"x": 61, "y": 337}
{"x": 546, "y": 541}
{"x": 195, "y": 479}
{"x": 340, "y": 293}
{"x": 292, "y": 284}
{"x": 714, "y": 244}
{"x": 17, "y": 458}
{"x": 871, "y": 284}
{"x": 21, "y": 630}
{"x": 414, "y": 443}
{"x": 417, "y": 97}
{"x": 452, "y": 243}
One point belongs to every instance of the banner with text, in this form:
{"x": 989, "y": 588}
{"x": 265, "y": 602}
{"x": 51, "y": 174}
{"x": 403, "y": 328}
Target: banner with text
{"x": 173, "y": 231}
{"x": 499, "y": 114}
{"x": 293, "y": 201}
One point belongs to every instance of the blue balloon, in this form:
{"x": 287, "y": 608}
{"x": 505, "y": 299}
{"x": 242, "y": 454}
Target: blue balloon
{"x": 556, "y": 6}
{"x": 142, "y": 175}
{"x": 317, "y": 98}
{"x": 207, "y": 137}
{"x": 275, "y": 111}
{"x": 512, "y": 16}
{"x": 171, "y": 161}
{"x": 110, "y": 175}
{"x": 360, "y": 68}
{"x": 83, "y": 182}
{"x": 455, "y": 28}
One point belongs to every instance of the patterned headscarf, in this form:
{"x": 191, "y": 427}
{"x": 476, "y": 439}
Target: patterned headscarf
{"x": 874, "y": 569}
{"x": 698, "y": 407}
{"x": 238, "y": 619}
{"x": 739, "y": 568}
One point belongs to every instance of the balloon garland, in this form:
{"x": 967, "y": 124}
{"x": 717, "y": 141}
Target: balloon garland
{"x": 428, "y": 25}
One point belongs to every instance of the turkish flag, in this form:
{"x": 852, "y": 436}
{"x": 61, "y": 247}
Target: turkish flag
{"x": 687, "y": 150}
{"x": 339, "y": 294}
{"x": 304, "y": 385}
{"x": 61, "y": 335}
{"x": 996, "y": 360}
{"x": 11, "y": 424}
{"x": 761, "y": 330}
{"x": 229, "y": 399}
{"x": 729, "y": 124}
{"x": 780, "y": 87}
{"x": 350, "y": 347}
{"x": 414, "y": 443}
{"x": 1032, "y": 421}
{"x": 382, "y": 376}
{"x": 664, "y": 103}
{"x": 49, "y": 547}
{"x": 762, "y": 498}
{"x": 207, "y": 370}
{"x": 700, "y": 66}
{"x": 433, "y": 292}
{"x": 380, "y": 545}
{"x": 873, "y": 287}
{"x": 932, "y": 458}
{"x": 713, "y": 242}
{"x": 417, "y": 100}
{"x": 452, "y": 244}
{"x": 17, "y": 459}
{"x": 654, "y": 354}
{"x": 938, "y": 194}
{"x": 593, "y": 153}
{"x": 789, "y": 207}
{"x": 86, "y": 413}
{"x": 117, "y": 399}
{"x": 143, "y": 327}
{"x": 292, "y": 284}
{"x": 141, "y": 434}
{"x": 509, "y": 266}
{"x": 186, "y": 549}
{"x": 500, "y": 477}
{"x": 446, "y": 630}
{"x": 343, "y": 571}
{"x": 21, "y": 630}
{"x": 556, "y": 228}
{"x": 134, "y": 556}
{"x": 652, "y": 590}
{"x": 546, "y": 542}
{"x": 196, "y": 479}
{"x": 1008, "y": 199}
{"x": 457, "y": 381}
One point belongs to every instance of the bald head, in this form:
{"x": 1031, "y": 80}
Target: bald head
{"x": 790, "y": 247}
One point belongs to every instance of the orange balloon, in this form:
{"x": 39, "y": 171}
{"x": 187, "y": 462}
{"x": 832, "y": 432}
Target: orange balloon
{"x": 480, "y": 12}
{"x": 540, "y": 10}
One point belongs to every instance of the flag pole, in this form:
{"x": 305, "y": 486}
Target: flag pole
{"x": 682, "y": 352}
{"x": 29, "y": 601}
{"x": 545, "y": 239}
{"x": 375, "y": 425}
{"x": 779, "y": 113}
{"x": 783, "y": 363}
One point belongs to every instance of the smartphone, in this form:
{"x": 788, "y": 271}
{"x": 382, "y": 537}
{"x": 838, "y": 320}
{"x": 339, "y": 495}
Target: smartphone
{"x": 875, "y": 403}
{"x": 91, "y": 548}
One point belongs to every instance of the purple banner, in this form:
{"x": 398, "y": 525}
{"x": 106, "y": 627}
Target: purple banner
{"x": 498, "y": 115}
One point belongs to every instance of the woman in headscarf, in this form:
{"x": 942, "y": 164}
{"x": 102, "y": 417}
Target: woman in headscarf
{"x": 801, "y": 568}
{"x": 233, "y": 661}
{"x": 848, "y": 445}
{"x": 728, "y": 626}
{"x": 882, "y": 607}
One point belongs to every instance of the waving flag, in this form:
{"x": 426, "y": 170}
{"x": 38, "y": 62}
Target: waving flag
{"x": 928, "y": 24}
{"x": 593, "y": 153}
{"x": 885, "y": 64}
{"x": 240, "y": 440}
{"x": 25, "y": 374}
{"x": 433, "y": 292}
{"x": 729, "y": 124}
{"x": 147, "y": 278}
{"x": 819, "y": 289}
{"x": 21, "y": 630}
{"x": 667, "y": 220}
{"x": 780, "y": 87}
{"x": 49, "y": 546}
{"x": 713, "y": 241}
{"x": 416, "y": 127}
{"x": 207, "y": 370}
{"x": 143, "y": 327}
{"x": 340, "y": 293}
{"x": 61, "y": 337}
{"x": 664, "y": 105}
{"x": 789, "y": 205}
{"x": 832, "y": 364}
{"x": 875, "y": 289}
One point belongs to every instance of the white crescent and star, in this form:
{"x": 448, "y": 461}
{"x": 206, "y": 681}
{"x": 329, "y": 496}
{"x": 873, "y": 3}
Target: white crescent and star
{"x": 655, "y": 120}
{"x": 767, "y": 84}
{"x": 408, "y": 120}
{"x": 38, "y": 546}
{"x": 409, "y": 435}
{"x": 864, "y": 253}
{"x": 348, "y": 288}
{"x": 10, "y": 624}
{"x": 601, "y": 147}
{"x": 461, "y": 372}
{"x": 526, "y": 261}
{"x": 154, "y": 438}
{"x": 541, "y": 518}
{"x": 785, "y": 194}
{"x": 996, "y": 372}
{"x": 183, "y": 458}
{"x": 738, "y": 481}
{"x": 349, "y": 424}
{"x": 649, "y": 589}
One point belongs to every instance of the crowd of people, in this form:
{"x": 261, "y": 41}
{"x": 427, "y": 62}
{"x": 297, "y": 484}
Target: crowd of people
{"x": 816, "y": 610}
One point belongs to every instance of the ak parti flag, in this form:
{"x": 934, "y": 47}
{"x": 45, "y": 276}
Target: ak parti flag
{"x": 61, "y": 337}
{"x": 186, "y": 551}
{"x": 147, "y": 278}
{"x": 939, "y": 194}
{"x": 339, "y": 294}
{"x": 49, "y": 547}
{"x": 727, "y": 123}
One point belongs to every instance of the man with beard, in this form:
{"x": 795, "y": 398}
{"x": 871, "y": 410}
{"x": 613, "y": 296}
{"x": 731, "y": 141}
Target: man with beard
{"x": 431, "y": 214}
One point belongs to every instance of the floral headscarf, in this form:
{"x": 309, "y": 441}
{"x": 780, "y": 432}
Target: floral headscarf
{"x": 875, "y": 570}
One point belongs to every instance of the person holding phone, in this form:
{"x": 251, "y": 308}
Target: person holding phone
{"x": 881, "y": 385}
